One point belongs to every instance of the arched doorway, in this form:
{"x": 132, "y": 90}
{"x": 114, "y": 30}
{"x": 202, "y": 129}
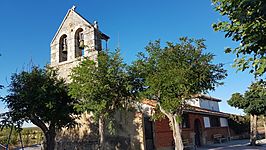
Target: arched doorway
{"x": 198, "y": 132}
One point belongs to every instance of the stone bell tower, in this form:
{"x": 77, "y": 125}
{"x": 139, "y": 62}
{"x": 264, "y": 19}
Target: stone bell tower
{"x": 75, "y": 38}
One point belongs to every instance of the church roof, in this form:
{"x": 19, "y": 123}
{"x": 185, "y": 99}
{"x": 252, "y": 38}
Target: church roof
{"x": 103, "y": 36}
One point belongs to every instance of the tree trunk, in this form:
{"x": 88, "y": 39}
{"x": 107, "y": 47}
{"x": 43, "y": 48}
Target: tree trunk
{"x": 264, "y": 123}
{"x": 49, "y": 140}
{"x": 20, "y": 139}
{"x": 49, "y": 133}
{"x": 177, "y": 134}
{"x": 9, "y": 137}
{"x": 101, "y": 133}
{"x": 253, "y": 129}
{"x": 176, "y": 129}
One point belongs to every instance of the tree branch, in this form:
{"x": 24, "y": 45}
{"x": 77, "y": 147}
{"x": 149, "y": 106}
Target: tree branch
{"x": 35, "y": 120}
{"x": 163, "y": 111}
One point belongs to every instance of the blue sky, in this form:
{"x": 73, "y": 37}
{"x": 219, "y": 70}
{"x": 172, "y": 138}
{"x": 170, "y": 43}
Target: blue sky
{"x": 27, "y": 28}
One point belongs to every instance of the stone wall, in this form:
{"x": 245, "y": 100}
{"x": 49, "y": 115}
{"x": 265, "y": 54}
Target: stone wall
{"x": 71, "y": 23}
{"x": 128, "y": 134}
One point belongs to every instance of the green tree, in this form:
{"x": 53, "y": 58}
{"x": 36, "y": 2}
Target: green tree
{"x": 173, "y": 74}
{"x": 7, "y": 123}
{"x": 246, "y": 24}
{"x": 102, "y": 87}
{"x": 40, "y": 97}
{"x": 252, "y": 102}
{"x": 239, "y": 124}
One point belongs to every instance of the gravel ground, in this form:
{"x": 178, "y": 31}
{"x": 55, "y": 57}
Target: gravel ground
{"x": 236, "y": 145}
{"x": 231, "y": 145}
{"x": 33, "y": 147}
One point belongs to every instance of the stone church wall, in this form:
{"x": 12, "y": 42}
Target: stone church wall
{"x": 128, "y": 134}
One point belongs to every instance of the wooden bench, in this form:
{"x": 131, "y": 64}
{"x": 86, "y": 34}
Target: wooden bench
{"x": 188, "y": 145}
{"x": 219, "y": 138}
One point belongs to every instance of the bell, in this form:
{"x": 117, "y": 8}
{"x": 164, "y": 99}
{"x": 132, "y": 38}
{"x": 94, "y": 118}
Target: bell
{"x": 64, "y": 49}
{"x": 64, "y": 45}
{"x": 81, "y": 44}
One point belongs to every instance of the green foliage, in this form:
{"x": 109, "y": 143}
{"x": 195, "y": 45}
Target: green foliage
{"x": 247, "y": 25}
{"x": 4, "y": 136}
{"x": 40, "y": 94}
{"x": 41, "y": 97}
{"x": 157, "y": 115}
{"x": 30, "y": 136}
{"x": 253, "y": 101}
{"x": 14, "y": 127}
{"x": 237, "y": 100}
{"x": 103, "y": 86}
{"x": 239, "y": 124}
{"x": 171, "y": 75}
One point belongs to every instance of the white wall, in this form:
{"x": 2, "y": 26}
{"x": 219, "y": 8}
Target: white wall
{"x": 193, "y": 102}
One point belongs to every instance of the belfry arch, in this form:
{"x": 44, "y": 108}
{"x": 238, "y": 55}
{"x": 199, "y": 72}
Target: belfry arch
{"x": 79, "y": 42}
{"x": 63, "y": 48}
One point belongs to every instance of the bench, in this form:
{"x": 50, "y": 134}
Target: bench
{"x": 219, "y": 138}
{"x": 188, "y": 145}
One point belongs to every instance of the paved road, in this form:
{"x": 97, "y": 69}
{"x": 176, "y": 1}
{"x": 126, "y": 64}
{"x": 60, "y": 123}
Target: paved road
{"x": 235, "y": 145}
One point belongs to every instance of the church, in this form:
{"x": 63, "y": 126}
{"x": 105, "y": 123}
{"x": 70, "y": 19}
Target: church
{"x": 203, "y": 123}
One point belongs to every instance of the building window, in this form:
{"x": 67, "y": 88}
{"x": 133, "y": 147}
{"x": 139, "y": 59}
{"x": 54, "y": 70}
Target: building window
{"x": 215, "y": 121}
{"x": 63, "y": 48}
{"x": 79, "y": 43}
{"x": 224, "y": 122}
{"x": 206, "y": 122}
{"x": 185, "y": 121}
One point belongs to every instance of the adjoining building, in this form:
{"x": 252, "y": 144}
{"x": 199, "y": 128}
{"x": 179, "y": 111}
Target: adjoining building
{"x": 202, "y": 123}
